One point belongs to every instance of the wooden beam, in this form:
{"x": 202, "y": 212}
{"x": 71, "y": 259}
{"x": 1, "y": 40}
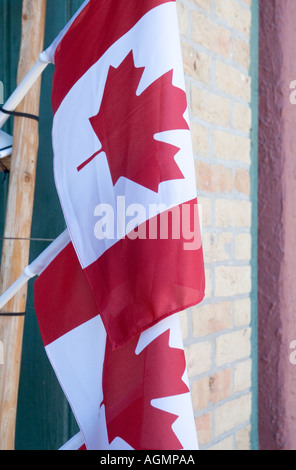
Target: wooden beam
{"x": 15, "y": 253}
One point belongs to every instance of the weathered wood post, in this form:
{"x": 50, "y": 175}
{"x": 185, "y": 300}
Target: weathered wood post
{"x": 15, "y": 252}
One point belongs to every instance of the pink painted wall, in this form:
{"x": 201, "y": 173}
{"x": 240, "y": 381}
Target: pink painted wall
{"x": 277, "y": 226}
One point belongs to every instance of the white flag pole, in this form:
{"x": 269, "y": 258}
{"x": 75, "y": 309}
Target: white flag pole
{"x": 24, "y": 86}
{"x": 74, "y": 443}
{"x": 36, "y": 267}
{"x": 45, "y": 58}
{"x": 16, "y": 286}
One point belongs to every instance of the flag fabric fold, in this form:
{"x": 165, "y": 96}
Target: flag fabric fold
{"x": 123, "y": 162}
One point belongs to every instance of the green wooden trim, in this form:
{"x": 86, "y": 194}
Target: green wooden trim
{"x": 254, "y": 229}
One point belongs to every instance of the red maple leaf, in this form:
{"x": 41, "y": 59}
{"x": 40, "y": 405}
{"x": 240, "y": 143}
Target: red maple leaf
{"x": 131, "y": 381}
{"x": 126, "y": 125}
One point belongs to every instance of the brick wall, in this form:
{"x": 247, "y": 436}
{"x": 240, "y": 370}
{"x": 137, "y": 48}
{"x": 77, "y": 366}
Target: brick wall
{"x": 215, "y": 36}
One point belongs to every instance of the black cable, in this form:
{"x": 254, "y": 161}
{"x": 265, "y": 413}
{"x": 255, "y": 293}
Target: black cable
{"x": 5, "y": 148}
{"x": 13, "y": 314}
{"x": 29, "y": 239}
{"x": 16, "y": 113}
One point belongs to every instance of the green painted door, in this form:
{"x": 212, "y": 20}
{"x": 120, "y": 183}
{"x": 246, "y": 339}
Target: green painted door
{"x": 44, "y": 419}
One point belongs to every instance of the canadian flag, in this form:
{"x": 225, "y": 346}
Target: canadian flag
{"x": 123, "y": 162}
{"x": 134, "y": 397}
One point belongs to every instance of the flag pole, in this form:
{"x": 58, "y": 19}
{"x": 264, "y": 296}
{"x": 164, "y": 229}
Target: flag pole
{"x": 36, "y": 267}
{"x": 15, "y": 287}
{"x": 24, "y": 86}
{"x": 15, "y": 251}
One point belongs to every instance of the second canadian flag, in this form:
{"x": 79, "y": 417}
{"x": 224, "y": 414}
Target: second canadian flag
{"x": 134, "y": 397}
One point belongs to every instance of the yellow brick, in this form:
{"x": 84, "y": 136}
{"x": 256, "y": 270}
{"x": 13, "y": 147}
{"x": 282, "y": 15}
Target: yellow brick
{"x": 198, "y": 358}
{"x": 243, "y": 441}
{"x": 196, "y": 64}
{"x": 243, "y": 246}
{"x": 232, "y": 414}
{"x": 200, "y": 394}
{"x": 204, "y": 4}
{"x": 232, "y": 81}
{"x": 233, "y": 346}
{"x": 242, "y": 52}
{"x": 209, "y": 107}
{"x": 234, "y": 14}
{"x": 221, "y": 385}
{"x": 216, "y": 246}
{"x": 204, "y": 428}
{"x": 203, "y": 176}
{"x": 232, "y": 213}
{"x": 182, "y": 18}
{"x": 209, "y": 287}
{"x": 211, "y": 389}
{"x": 232, "y": 280}
{"x": 242, "y": 181}
{"x": 210, "y": 318}
{"x": 224, "y": 444}
{"x": 210, "y": 35}
{"x": 242, "y": 117}
{"x": 242, "y": 312}
{"x": 242, "y": 375}
{"x": 232, "y": 147}
{"x": 214, "y": 178}
{"x": 200, "y": 139}
{"x": 205, "y": 205}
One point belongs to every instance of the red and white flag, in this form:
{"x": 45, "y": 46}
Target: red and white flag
{"x": 123, "y": 162}
{"x": 134, "y": 397}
